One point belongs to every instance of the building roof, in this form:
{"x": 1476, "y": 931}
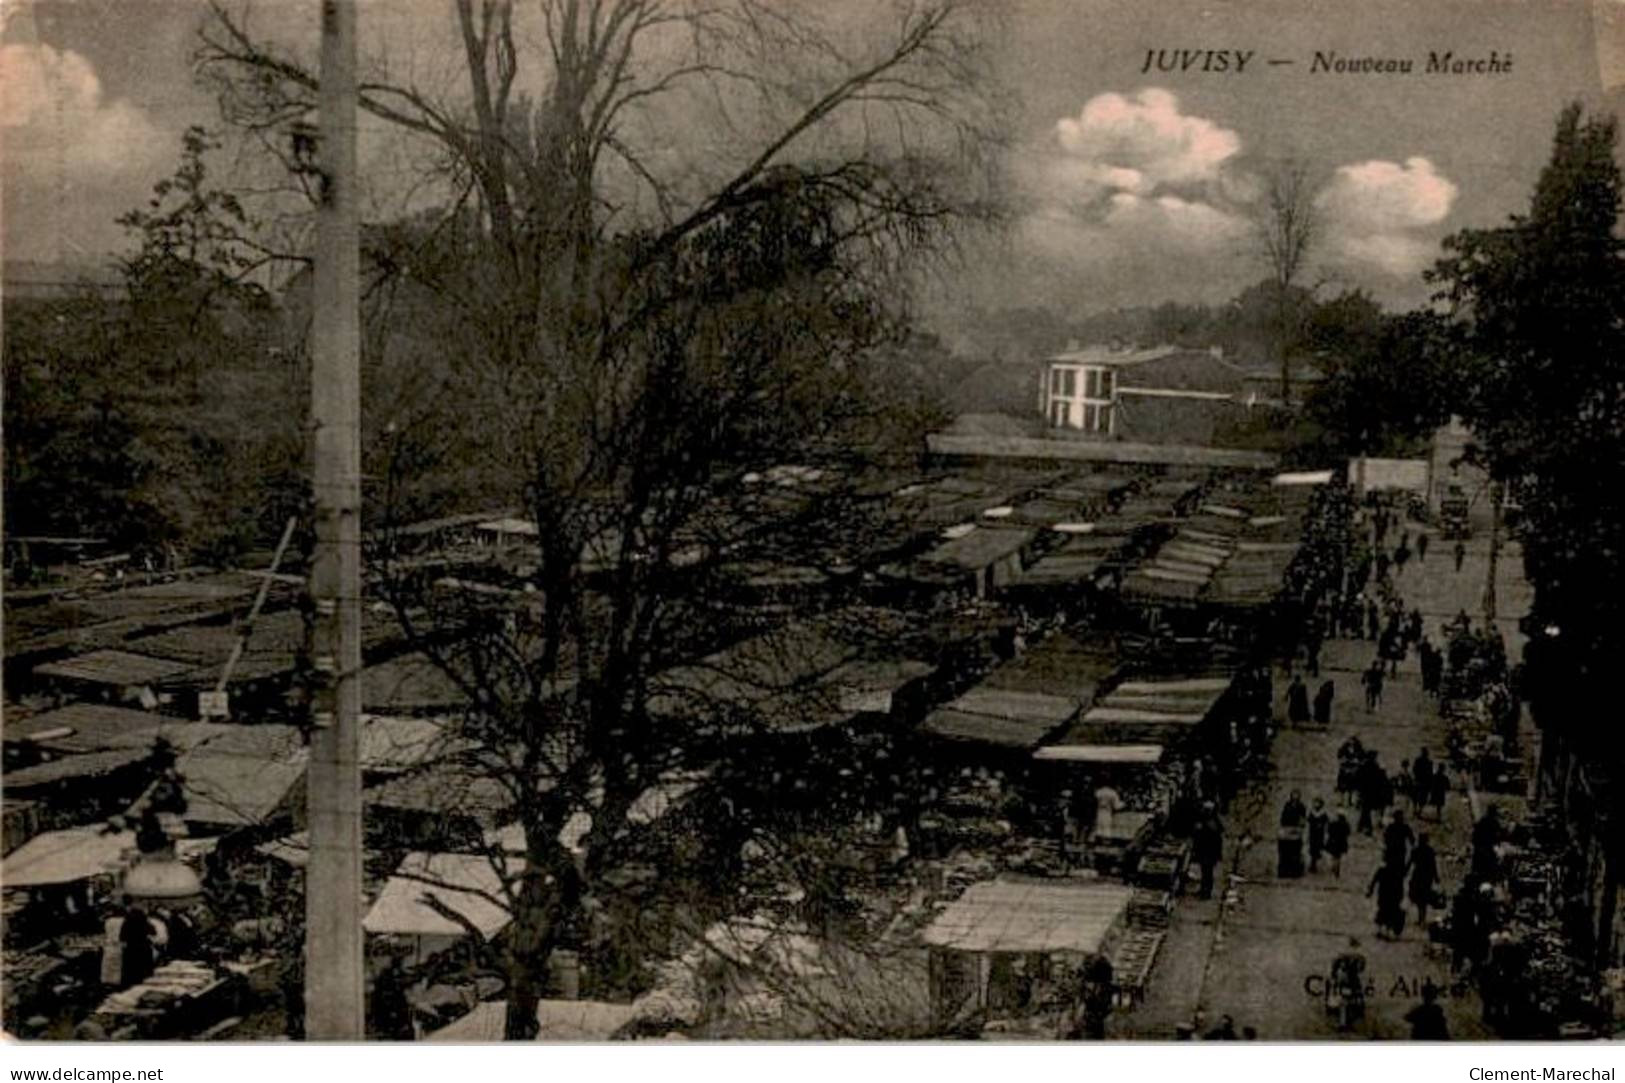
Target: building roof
{"x": 63, "y": 857}
{"x": 557, "y": 1021}
{"x": 1036, "y": 916}
{"x": 1106, "y": 355}
{"x": 115, "y": 667}
{"x": 467, "y": 884}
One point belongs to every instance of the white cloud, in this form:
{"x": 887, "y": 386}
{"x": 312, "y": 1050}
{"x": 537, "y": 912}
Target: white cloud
{"x": 1146, "y": 135}
{"x": 53, "y": 111}
{"x": 1382, "y": 214}
{"x": 1131, "y": 198}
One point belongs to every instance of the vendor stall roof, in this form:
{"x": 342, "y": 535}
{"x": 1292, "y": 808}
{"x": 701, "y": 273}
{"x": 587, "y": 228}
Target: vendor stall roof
{"x": 398, "y": 744}
{"x": 80, "y": 766}
{"x": 1191, "y": 685}
{"x": 1303, "y": 477}
{"x": 228, "y": 789}
{"x": 1001, "y": 717}
{"x": 1020, "y": 916}
{"x": 557, "y": 1021}
{"x": 980, "y": 548}
{"x": 1131, "y": 716}
{"x": 63, "y": 857}
{"x": 87, "y": 727}
{"x": 469, "y": 885}
{"x": 1136, "y": 755}
{"x": 115, "y": 667}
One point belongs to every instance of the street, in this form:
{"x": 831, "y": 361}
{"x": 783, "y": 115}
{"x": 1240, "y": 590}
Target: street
{"x": 1259, "y": 951}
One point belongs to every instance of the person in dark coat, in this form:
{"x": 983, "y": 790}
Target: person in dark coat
{"x": 1337, "y": 842}
{"x": 1388, "y": 884}
{"x": 1424, "y": 878}
{"x": 1421, "y": 781}
{"x": 1372, "y": 680}
{"x": 1323, "y": 703}
{"x": 1397, "y": 839}
{"x": 1402, "y": 556}
{"x": 1289, "y": 843}
{"x": 1207, "y": 845}
{"x": 1437, "y": 791}
{"x": 1460, "y": 553}
{"x": 1486, "y": 837}
{"x": 1317, "y": 821}
{"x": 1427, "y": 1019}
{"x": 1373, "y": 620}
{"x": 1422, "y": 547}
{"x": 1297, "y": 701}
{"x": 135, "y": 938}
{"x": 1372, "y": 782}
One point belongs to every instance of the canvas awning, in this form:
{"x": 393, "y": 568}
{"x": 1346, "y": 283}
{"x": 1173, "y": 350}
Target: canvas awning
{"x": 1132, "y": 716}
{"x": 1001, "y": 717}
{"x": 114, "y": 667}
{"x": 1145, "y": 755}
{"x": 67, "y": 856}
{"x": 466, "y": 884}
{"x": 1020, "y": 917}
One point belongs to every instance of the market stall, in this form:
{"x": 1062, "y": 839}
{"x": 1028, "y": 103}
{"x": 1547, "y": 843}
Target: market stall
{"x": 1016, "y": 948}
{"x": 180, "y": 999}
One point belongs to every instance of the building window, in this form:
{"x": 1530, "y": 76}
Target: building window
{"x": 1082, "y": 397}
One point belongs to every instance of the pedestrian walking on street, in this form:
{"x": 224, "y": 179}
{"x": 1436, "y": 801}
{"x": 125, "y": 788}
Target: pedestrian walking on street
{"x": 1397, "y": 839}
{"x": 1372, "y": 782}
{"x": 1323, "y": 703}
{"x": 1350, "y": 758}
{"x": 1421, "y": 782}
{"x": 1337, "y": 842}
{"x": 1372, "y": 680}
{"x": 1413, "y": 628}
{"x": 1401, "y": 556}
{"x": 1486, "y": 837}
{"x": 1207, "y": 843}
{"x": 1427, "y": 1019}
{"x": 1289, "y": 842}
{"x": 1373, "y": 620}
{"x": 1422, "y": 547}
{"x": 1297, "y": 701}
{"x": 1317, "y": 822}
{"x": 1424, "y": 879}
{"x": 1388, "y": 884}
{"x": 1437, "y": 790}
{"x": 1460, "y": 552}
{"x": 1382, "y": 565}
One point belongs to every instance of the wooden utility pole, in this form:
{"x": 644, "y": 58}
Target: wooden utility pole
{"x": 1496, "y": 497}
{"x": 334, "y": 992}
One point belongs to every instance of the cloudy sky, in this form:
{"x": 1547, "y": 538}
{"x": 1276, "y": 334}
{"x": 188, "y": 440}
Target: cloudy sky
{"x": 1132, "y": 186}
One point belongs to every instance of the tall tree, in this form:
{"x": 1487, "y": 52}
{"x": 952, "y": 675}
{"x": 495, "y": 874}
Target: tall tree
{"x": 644, "y": 335}
{"x": 1286, "y": 227}
{"x": 1540, "y": 309}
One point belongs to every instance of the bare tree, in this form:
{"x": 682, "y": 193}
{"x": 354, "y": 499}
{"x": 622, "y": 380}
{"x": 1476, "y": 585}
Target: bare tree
{"x": 639, "y": 343}
{"x": 1286, "y": 227}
